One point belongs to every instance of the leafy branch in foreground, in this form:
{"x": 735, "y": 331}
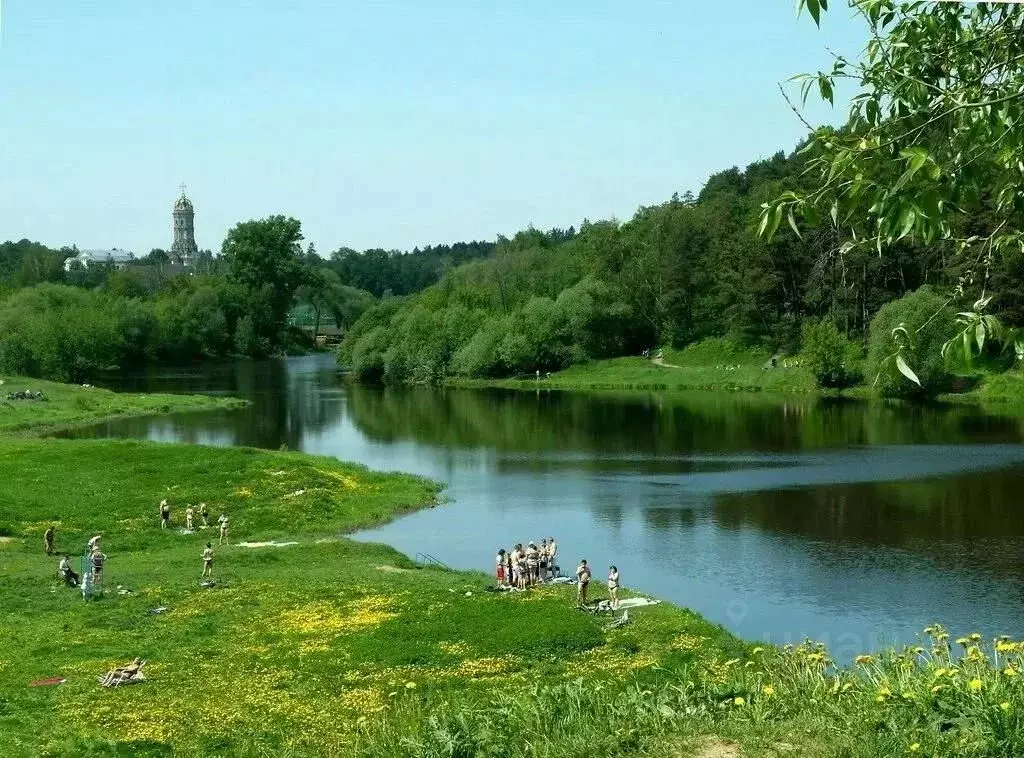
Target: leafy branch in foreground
{"x": 932, "y": 145}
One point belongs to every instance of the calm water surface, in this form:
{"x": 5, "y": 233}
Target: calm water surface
{"x": 854, "y": 523}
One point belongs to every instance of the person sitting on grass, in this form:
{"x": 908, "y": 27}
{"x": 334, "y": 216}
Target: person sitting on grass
{"x": 165, "y": 514}
{"x": 583, "y": 577}
{"x": 188, "y": 517}
{"x": 208, "y": 560}
{"x": 48, "y": 540}
{"x": 67, "y": 573}
{"x": 124, "y": 674}
{"x": 613, "y": 587}
{"x": 223, "y": 520}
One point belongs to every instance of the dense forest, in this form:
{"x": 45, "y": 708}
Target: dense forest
{"x": 690, "y": 268}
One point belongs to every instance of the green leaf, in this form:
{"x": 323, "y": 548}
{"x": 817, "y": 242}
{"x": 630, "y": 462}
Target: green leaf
{"x": 792, "y": 224}
{"x": 906, "y": 370}
{"x": 813, "y": 8}
{"x": 979, "y": 336}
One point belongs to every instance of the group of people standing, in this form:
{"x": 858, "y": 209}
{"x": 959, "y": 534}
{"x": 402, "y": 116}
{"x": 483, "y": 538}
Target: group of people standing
{"x": 521, "y": 567}
{"x": 526, "y": 567}
{"x": 95, "y": 559}
{"x": 190, "y": 514}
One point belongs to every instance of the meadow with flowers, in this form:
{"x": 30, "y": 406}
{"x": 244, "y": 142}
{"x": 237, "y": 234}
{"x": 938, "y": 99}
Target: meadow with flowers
{"x": 330, "y": 647}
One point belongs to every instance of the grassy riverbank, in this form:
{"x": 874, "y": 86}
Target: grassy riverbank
{"x": 332, "y": 647}
{"x": 71, "y": 404}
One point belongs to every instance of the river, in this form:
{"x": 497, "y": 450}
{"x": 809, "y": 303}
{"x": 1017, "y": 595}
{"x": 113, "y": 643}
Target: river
{"x": 853, "y": 523}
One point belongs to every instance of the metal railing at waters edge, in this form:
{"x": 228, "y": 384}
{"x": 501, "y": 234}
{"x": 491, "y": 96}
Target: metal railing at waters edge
{"x": 428, "y": 559}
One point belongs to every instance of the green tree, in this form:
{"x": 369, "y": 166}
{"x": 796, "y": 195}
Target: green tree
{"x": 264, "y": 258}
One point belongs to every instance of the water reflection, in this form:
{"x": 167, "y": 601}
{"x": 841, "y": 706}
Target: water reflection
{"x": 854, "y": 522}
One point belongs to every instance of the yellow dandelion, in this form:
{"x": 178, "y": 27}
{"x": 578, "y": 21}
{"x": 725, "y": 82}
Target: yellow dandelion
{"x": 1005, "y": 706}
{"x": 974, "y": 637}
{"x": 975, "y": 685}
{"x": 962, "y": 641}
{"x": 768, "y": 690}
{"x": 938, "y": 688}
{"x": 1009, "y": 671}
{"x": 738, "y": 701}
{"x": 864, "y": 659}
{"x": 757, "y": 650}
{"x": 410, "y": 685}
{"x": 915, "y": 747}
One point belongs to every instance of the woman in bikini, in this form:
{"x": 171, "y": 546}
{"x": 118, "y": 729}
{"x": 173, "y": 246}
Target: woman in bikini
{"x": 583, "y": 577}
{"x": 613, "y": 587}
{"x": 500, "y": 561}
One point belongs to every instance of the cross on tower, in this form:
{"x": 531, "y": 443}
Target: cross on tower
{"x": 182, "y": 185}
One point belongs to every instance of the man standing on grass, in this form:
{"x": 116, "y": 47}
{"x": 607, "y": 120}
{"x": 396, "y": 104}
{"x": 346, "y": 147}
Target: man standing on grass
{"x": 583, "y": 579}
{"x": 208, "y": 560}
{"x": 223, "y": 529}
{"x": 97, "y": 559}
{"x": 165, "y": 514}
{"x": 48, "y": 540}
{"x": 188, "y": 517}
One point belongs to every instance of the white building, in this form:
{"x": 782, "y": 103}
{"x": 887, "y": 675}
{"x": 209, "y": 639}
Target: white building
{"x": 119, "y": 258}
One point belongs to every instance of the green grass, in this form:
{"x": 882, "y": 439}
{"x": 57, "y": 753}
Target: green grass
{"x": 709, "y": 365}
{"x": 69, "y": 404}
{"x": 298, "y": 643}
{"x": 332, "y": 647}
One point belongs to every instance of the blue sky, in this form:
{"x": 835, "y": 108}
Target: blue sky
{"x": 380, "y": 123}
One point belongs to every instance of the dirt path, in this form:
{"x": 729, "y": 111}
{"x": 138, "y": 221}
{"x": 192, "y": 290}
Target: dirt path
{"x": 661, "y": 362}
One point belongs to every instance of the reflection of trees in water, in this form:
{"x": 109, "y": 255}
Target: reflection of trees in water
{"x": 970, "y": 521}
{"x": 657, "y": 424}
{"x": 286, "y": 396}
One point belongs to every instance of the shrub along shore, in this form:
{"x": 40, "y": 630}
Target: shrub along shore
{"x": 333, "y": 647}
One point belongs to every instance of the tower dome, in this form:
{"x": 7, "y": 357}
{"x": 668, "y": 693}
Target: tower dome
{"x": 183, "y": 203}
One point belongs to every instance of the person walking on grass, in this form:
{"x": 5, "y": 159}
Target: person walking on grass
{"x": 208, "y": 560}
{"x": 583, "y": 582}
{"x": 165, "y": 514}
{"x": 223, "y": 521}
{"x": 613, "y": 587}
{"x": 48, "y": 540}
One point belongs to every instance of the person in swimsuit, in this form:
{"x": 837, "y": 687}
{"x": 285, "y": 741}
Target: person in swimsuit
{"x": 203, "y": 513}
{"x": 613, "y": 587}
{"x": 500, "y": 561}
{"x": 208, "y": 560}
{"x": 543, "y": 554}
{"x": 583, "y": 577}
{"x": 223, "y": 521}
{"x": 524, "y": 570}
{"x": 165, "y": 514}
{"x": 188, "y": 517}
{"x": 94, "y": 543}
{"x": 96, "y": 560}
{"x": 48, "y": 541}
{"x": 552, "y": 555}
{"x": 532, "y": 564}
{"x": 513, "y": 564}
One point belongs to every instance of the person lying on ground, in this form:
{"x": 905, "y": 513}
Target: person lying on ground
{"x": 123, "y": 674}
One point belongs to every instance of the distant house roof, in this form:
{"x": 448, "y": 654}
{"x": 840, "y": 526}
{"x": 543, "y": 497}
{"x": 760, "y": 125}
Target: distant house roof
{"x": 113, "y": 254}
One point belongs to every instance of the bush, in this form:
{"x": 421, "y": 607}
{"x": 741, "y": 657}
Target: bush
{"x": 928, "y": 323}
{"x": 830, "y": 356}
